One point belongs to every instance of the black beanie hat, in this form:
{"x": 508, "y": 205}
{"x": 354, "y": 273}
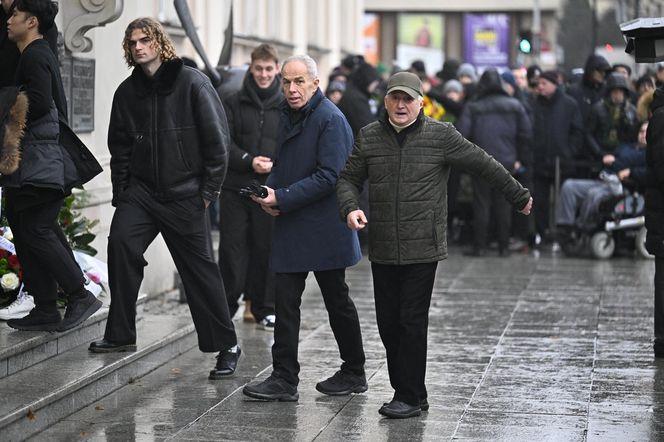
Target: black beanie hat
{"x": 551, "y": 76}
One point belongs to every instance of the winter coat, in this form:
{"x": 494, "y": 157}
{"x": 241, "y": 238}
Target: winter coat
{"x": 497, "y": 123}
{"x": 13, "y": 116}
{"x": 354, "y": 102}
{"x": 557, "y": 132}
{"x": 308, "y": 234}
{"x": 253, "y": 124}
{"x": 168, "y": 134}
{"x": 44, "y": 163}
{"x": 655, "y": 177}
{"x": 408, "y": 187}
{"x": 633, "y": 157}
{"x": 600, "y": 125}
{"x": 586, "y": 92}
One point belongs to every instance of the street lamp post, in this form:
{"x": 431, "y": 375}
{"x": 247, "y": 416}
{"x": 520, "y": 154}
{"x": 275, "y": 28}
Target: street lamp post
{"x": 537, "y": 29}
{"x": 594, "y": 27}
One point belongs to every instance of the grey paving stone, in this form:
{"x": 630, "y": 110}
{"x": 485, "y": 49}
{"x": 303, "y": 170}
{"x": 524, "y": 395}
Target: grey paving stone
{"x": 520, "y": 349}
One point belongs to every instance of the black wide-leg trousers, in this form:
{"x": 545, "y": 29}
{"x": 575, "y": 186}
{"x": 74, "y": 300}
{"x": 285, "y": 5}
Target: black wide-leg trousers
{"x": 185, "y": 228}
{"x": 403, "y": 297}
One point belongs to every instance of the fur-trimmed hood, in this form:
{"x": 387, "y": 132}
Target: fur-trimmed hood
{"x": 13, "y": 114}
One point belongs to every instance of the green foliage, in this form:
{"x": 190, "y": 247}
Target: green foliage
{"x": 76, "y": 227}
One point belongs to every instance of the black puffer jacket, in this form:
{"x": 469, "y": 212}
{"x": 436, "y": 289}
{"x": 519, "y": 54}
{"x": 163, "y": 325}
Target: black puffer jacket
{"x": 497, "y": 123}
{"x": 557, "y": 132}
{"x": 408, "y": 187}
{"x": 169, "y": 134}
{"x": 253, "y": 125}
{"x": 43, "y": 162}
{"x": 655, "y": 177}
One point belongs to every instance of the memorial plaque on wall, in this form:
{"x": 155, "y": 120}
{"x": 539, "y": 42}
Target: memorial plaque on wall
{"x": 82, "y": 95}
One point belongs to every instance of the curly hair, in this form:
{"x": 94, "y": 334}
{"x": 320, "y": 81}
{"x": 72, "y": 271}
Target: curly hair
{"x": 156, "y": 32}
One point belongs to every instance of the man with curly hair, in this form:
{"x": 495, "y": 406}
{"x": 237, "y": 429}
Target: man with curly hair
{"x": 168, "y": 140}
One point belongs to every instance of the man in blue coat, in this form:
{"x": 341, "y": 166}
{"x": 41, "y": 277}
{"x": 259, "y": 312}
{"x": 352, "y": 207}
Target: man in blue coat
{"x": 314, "y": 143}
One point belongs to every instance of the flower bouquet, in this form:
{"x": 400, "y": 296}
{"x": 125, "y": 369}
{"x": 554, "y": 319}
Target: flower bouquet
{"x": 11, "y": 274}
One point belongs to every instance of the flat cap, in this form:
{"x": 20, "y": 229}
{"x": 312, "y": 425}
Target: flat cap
{"x": 406, "y": 82}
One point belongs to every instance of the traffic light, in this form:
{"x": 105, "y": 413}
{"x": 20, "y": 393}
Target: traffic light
{"x": 526, "y": 42}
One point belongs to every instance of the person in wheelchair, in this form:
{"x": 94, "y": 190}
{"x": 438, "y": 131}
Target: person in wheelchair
{"x": 580, "y": 199}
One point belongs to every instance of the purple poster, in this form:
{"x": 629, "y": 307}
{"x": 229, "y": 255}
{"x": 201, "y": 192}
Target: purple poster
{"x": 486, "y": 39}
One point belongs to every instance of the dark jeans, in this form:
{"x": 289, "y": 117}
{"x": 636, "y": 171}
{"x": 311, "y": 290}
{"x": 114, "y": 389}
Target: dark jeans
{"x": 342, "y": 314}
{"x": 184, "y": 226}
{"x": 488, "y": 201}
{"x": 659, "y": 304}
{"x": 403, "y": 297}
{"x": 43, "y": 251}
{"x": 245, "y": 236}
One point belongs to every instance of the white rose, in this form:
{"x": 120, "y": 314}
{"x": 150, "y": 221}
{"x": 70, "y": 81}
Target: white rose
{"x": 9, "y": 282}
{"x": 9, "y": 236}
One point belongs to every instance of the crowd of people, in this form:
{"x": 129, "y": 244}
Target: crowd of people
{"x": 543, "y": 126}
{"x": 299, "y": 176}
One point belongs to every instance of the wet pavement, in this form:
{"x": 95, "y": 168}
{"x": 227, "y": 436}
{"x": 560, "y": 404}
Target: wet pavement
{"x": 520, "y": 349}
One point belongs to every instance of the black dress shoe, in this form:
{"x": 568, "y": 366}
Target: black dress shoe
{"x": 37, "y": 320}
{"x": 272, "y": 389}
{"x": 79, "y": 309}
{"x": 400, "y": 410}
{"x": 105, "y": 346}
{"x": 226, "y": 364}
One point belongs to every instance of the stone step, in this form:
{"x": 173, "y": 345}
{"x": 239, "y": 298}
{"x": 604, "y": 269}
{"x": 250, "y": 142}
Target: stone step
{"x": 39, "y": 396}
{"x": 23, "y": 349}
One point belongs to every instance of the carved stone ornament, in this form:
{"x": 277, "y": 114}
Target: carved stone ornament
{"x": 82, "y": 15}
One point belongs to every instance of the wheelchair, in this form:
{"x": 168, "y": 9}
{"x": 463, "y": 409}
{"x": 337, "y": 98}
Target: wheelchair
{"x": 619, "y": 228}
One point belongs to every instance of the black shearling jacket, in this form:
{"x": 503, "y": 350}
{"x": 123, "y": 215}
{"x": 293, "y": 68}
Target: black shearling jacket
{"x": 168, "y": 134}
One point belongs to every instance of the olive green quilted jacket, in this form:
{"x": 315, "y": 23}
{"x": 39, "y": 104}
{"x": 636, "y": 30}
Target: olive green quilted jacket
{"x": 408, "y": 187}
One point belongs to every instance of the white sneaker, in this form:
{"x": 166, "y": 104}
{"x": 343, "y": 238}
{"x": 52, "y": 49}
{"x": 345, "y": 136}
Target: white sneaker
{"x": 18, "y": 309}
{"x": 268, "y": 322}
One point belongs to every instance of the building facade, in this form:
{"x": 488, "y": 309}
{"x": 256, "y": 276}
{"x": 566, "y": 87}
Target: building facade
{"x": 480, "y": 32}
{"x": 93, "y": 67}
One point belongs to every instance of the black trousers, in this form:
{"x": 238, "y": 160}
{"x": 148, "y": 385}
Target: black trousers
{"x": 42, "y": 249}
{"x": 245, "y": 236}
{"x": 403, "y": 297}
{"x": 184, "y": 226}
{"x": 542, "y": 206}
{"x": 659, "y": 304}
{"x": 342, "y": 314}
{"x": 488, "y": 201}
